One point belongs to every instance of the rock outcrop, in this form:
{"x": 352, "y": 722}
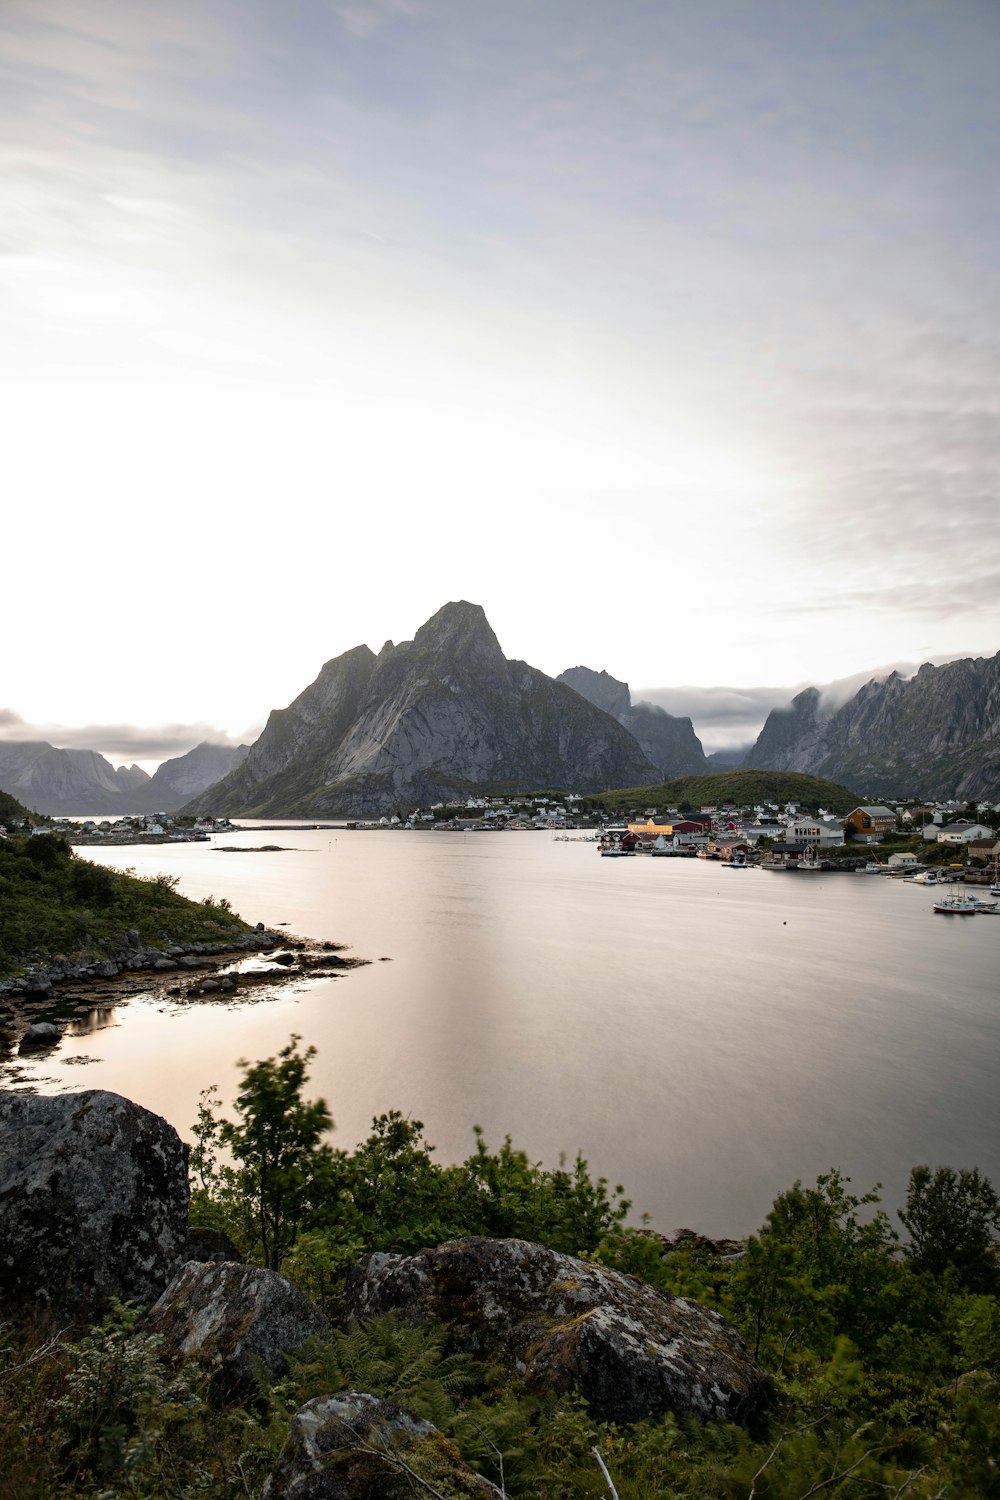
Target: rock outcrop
{"x": 668, "y": 741}
{"x": 564, "y": 1324}
{"x": 433, "y": 719}
{"x": 936, "y": 734}
{"x": 353, "y": 1446}
{"x": 93, "y": 1201}
{"x": 237, "y": 1315}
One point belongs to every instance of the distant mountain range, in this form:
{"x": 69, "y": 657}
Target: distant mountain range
{"x": 446, "y": 715}
{"x": 936, "y": 734}
{"x": 440, "y": 717}
{"x": 60, "y": 782}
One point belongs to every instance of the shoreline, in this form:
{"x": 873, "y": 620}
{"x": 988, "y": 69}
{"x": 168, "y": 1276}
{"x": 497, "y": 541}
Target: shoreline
{"x": 38, "y": 1011}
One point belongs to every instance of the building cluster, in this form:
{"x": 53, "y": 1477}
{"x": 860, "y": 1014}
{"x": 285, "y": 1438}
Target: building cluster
{"x": 125, "y": 830}
{"x": 792, "y": 839}
{"x": 482, "y": 814}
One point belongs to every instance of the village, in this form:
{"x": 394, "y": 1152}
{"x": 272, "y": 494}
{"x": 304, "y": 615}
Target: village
{"x": 774, "y": 836}
{"x": 900, "y": 839}
{"x": 151, "y": 828}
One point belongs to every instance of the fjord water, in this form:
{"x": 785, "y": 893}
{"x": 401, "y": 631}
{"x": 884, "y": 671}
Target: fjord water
{"x": 703, "y": 1036}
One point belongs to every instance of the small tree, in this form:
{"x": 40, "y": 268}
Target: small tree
{"x": 282, "y": 1170}
{"x": 950, "y": 1217}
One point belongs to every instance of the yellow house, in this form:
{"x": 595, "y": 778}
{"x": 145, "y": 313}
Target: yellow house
{"x": 650, "y": 827}
{"x": 869, "y": 821}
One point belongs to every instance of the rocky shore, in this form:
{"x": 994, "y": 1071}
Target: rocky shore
{"x": 36, "y": 1008}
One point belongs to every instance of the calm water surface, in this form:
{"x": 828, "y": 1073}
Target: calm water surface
{"x": 704, "y": 1036}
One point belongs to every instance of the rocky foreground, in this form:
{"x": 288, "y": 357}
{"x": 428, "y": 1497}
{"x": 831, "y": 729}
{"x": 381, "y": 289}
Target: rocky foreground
{"x": 94, "y": 1206}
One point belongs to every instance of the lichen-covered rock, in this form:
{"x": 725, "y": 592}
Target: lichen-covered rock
{"x": 93, "y": 1201}
{"x": 241, "y": 1316}
{"x": 564, "y": 1324}
{"x": 353, "y": 1446}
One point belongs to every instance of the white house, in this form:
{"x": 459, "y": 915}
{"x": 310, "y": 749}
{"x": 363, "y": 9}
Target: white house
{"x": 962, "y": 833}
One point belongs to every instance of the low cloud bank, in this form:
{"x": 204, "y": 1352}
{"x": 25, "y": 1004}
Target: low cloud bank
{"x": 723, "y": 717}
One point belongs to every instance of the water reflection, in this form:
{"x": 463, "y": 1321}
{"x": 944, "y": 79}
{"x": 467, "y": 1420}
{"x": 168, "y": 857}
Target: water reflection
{"x": 701, "y": 1038}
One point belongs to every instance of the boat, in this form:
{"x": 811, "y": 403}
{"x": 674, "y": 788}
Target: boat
{"x": 873, "y": 868}
{"x": 963, "y": 906}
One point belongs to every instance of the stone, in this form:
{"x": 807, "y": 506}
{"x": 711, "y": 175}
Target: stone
{"x": 209, "y": 987}
{"x": 38, "y": 984}
{"x": 353, "y": 1446}
{"x": 93, "y": 1201}
{"x": 106, "y": 970}
{"x": 239, "y": 1315}
{"x": 40, "y": 1034}
{"x": 206, "y": 1244}
{"x": 565, "y": 1324}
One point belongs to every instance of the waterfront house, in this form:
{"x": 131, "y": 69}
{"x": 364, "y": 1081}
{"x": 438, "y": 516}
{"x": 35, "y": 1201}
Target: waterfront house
{"x": 827, "y": 833}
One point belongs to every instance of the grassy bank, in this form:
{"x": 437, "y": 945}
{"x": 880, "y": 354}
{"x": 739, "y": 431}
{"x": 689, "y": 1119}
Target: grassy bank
{"x": 54, "y": 904}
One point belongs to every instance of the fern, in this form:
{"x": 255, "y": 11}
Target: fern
{"x": 402, "y": 1362}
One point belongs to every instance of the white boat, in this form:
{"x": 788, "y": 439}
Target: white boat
{"x": 963, "y": 906}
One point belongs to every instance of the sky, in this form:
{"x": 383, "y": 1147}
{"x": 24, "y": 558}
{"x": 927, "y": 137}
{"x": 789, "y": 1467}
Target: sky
{"x": 667, "y": 332}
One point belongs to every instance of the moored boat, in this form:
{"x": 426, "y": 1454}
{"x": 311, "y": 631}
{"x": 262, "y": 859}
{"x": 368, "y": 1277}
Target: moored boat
{"x": 963, "y": 906}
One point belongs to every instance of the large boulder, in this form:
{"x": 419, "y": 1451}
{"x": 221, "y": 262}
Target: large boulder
{"x": 242, "y": 1317}
{"x": 353, "y": 1446}
{"x": 93, "y": 1201}
{"x": 564, "y": 1324}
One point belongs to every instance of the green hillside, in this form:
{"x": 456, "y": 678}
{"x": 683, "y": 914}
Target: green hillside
{"x": 12, "y": 811}
{"x": 736, "y": 788}
{"x": 53, "y": 902}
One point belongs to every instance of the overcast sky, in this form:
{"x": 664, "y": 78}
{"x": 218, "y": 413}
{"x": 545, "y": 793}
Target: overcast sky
{"x": 668, "y": 332}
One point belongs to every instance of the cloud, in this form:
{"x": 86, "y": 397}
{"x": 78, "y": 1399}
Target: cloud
{"x": 723, "y": 717}
{"x": 118, "y": 742}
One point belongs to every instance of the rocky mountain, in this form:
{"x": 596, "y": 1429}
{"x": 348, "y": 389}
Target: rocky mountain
{"x": 441, "y": 716}
{"x": 74, "y": 782}
{"x": 669, "y": 742}
{"x": 177, "y": 781}
{"x": 67, "y": 781}
{"x": 936, "y": 734}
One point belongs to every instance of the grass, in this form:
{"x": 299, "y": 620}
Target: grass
{"x": 55, "y": 904}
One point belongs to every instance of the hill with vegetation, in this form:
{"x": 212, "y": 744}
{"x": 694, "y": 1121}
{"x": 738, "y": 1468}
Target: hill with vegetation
{"x": 734, "y": 789}
{"x": 13, "y": 812}
{"x": 52, "y": 902}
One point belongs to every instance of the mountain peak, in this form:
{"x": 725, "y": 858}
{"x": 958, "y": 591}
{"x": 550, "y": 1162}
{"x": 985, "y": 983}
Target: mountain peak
{"x": 599, "y": 688}
{"x": 462, "y": 630}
